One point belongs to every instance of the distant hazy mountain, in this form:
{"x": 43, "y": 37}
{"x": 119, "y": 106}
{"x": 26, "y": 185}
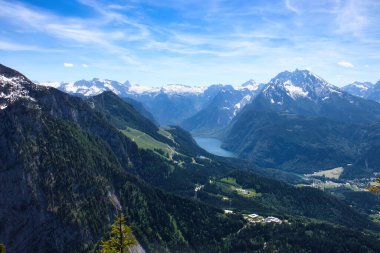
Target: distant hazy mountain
{"x": 365, "y": 90}
{"x": 375, "y": 93}
{"x": 359, "y": 89}
{"x": 91, "y": 87}
{"x": 296, "y": 122}
{"x": 140, "y": 108}
{"x": 299, "y": 122}
{"x": 170, "y": 108}
{"x": 302, "y": 92}
{"x": 369, "y": 158}
{"x": 170, "y": 104}
{"x": 222, "y": 108}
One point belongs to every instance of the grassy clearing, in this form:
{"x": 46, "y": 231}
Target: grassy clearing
{"x": 375, "y": 217}
{"x": 247, "y": 193}
{"x": 229, "y": 180}
{"x": 145, "y": 141}
{"x": 229, "y": 184}
{"x": 165, "y": 133}
{"x": 333, "y": 173}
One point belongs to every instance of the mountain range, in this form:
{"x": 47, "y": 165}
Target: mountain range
{"x": 69, "y": 163}
{"x": 365, "y": 90}
{"x": 221, "y": 109}
{"x": 289, "y": 123}
{"x": 301, "y": 123}
{"x": 170, "y": 104}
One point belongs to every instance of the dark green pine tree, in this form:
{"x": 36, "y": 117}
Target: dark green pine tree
{"x": 121, "y": 237}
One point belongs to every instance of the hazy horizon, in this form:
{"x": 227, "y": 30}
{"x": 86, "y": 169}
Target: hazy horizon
{"x": 178, "y": 83}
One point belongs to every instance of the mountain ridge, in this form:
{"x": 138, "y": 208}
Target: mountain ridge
{"x": 282, "y": 127}
{"x": 170, "y": 104}
{"x": 365, "y": 90}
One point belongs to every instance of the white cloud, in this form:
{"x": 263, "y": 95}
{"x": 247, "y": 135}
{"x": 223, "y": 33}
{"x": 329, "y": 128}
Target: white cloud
{"x": 16, "y": 47}
{"x": 290, "y": 7}
{"x": 68, "y": 65}
{"x": 13, "y": 46}
{"x": 250, "y": 36}
{"x": 79, "y": 31}
{"x": 346, "y": 64}
{"x": 352, "y": 18}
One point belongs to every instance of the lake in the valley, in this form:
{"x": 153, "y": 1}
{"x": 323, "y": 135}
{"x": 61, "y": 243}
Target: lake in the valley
{"x": 212, "y": 145}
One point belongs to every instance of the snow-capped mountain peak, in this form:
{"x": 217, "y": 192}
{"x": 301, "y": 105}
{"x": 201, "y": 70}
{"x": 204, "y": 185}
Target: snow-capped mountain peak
{"x": 250, "y": 85}
{"x": 96, "y": 86}
{"x": 299, "y": 84}
{"x": 180, "y": 88}
{"x": 168, "y": 89}
{"x": 141, "y": 89}
{"x": 13, "y": 86}
{"x": 360, "y": 89}
{"x": 91, "y": 87}
{"x": 299, "y": 78}
{"x": 362, "y": 86}
{"x": 56, "y": 85}
{"x": 295, "y": 91}
{"x": 249, "y": 82}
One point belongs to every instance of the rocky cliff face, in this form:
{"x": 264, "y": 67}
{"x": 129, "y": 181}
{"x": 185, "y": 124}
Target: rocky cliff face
{"x": 37, "y": 195}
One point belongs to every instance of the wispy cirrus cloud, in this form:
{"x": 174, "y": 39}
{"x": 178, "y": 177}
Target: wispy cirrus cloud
{"x": 290, "y": 6}
{"x": 86, "y": 32}
{"x": 352, "y": 17}
{"x": 138, "y": 36}
{"x": 12, "y": 46}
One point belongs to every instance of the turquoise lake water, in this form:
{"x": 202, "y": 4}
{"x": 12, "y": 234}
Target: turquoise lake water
{"x": 212, "y": 145}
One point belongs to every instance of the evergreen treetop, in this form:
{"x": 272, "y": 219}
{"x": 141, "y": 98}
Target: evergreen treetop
{"x": 121, "y": 237}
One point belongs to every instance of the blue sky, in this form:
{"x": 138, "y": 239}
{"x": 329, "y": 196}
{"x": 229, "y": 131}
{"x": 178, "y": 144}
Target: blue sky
{"x": 195, "y": 42}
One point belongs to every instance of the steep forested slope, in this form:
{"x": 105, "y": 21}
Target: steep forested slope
{"x": 66, "y": 167}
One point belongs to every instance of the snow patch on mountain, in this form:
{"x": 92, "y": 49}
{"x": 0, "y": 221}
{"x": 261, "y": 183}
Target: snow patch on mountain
{"x": 90, "y": 88}
{"x": 246, "y": 100}
{"x": 299, "y": 84}
{"x": 51, "y": 84}
{"x": 360, "y": 89}
{"x": 141, "y": 89}
{"x": 294, "y": 91}
{"x": 179, "y": 88}
{"x": 361, "y": 86}
{"x": 250, "y": 85}
{"x": 11, "y": 90}
{"x": 70, "y": 88}
{"x": 97, "y": 86}
{"x": 168, "y": 89}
